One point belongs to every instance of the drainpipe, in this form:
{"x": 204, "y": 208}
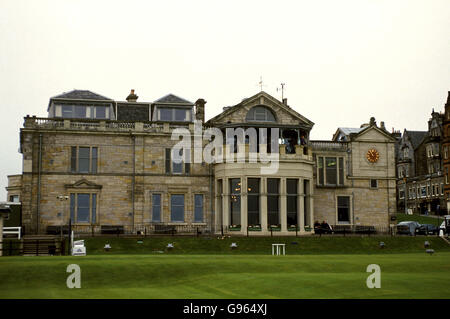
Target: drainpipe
{"x": 39, "y": 185}
{"x": 211, "y": 221}
{"x": 134, "y": 173}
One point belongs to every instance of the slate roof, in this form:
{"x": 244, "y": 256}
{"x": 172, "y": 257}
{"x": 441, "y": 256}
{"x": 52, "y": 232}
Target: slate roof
{"x": 416, "y": 137}
{"x": 172, "y": 98}
{"x": 350, "y": 130}
{"x": 81, "y": 95}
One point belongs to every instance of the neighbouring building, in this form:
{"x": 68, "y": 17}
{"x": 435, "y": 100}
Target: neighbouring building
{"x": 445, "y": 151}
{"x": 421, "y": 168}
{"x": 100, "y": 163}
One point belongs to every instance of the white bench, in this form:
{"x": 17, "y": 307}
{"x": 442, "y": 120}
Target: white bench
{"x": 12, "y": 231}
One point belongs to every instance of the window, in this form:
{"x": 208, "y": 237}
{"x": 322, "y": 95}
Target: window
{"x": 401, "y": 194}
{"x": 83, "y": 208}
{"x": 442, "y": 189}
{"x": 445, "y": 152}
{"x": 177, "y": 208}
{"x": 405, "y": 153}
{"x": 235, "y": 201}
{"x": 330, "y": 170}
{"x": 321, "y": 172}
{"x": 14, "y": 198}
{"x": 253, "y": 201}
{"x": 343, "y": 209}
{"x": 292, "y": 200}
{"x": 82, "y": 111}
{"x": 423, "y": 191}
{"x": 198, "y": 209}
{"x": 273, "y": 201}
{"x": 176, "y": 168}
{"x": 83, "y": 159}
{"x": 156, "y": 207}
{"x": 174, "y": 114}
{"x": 260, "y": 114}
{"x": 373, "y": 183}
{"x": 331, "y": 173}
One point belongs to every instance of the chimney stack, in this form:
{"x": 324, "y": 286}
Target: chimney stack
{"x": 382, "y": 126}
{"x": 200, "y": 110}
{"x": 132, "y": 97}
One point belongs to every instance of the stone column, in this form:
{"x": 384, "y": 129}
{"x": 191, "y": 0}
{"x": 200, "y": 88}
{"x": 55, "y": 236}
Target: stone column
{"x": 263, "y": 203}
{"x": 226, "y": 203}
{"x": 283, "y": 205}
{"x": 301, "y": 207}
{"x": 217, "y": 207}
{"x": 311, "y": 204}
{"x": 244, "y": 213}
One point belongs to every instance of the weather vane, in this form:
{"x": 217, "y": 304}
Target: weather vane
{"x": 260, "y": 83}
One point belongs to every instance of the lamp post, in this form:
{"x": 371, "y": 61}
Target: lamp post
{"x": 63, "y": 199}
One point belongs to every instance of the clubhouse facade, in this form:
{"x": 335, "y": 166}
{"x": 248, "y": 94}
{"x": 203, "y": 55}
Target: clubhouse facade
{"x": 102, "y": 163}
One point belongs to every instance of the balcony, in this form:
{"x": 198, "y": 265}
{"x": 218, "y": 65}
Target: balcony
{"x": 101, "y": 125}
{"x": 242, "y": 152}
{"x": 329, "y": 146}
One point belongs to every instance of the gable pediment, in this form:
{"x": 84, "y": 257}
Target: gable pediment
{"x": 83, "y": 184}
{"x": 374, "y": 134}
{"x": 284, "y": 115}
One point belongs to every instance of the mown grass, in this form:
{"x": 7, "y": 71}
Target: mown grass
{"x": 225, "y": 276}
{"x": 313, "y": 245}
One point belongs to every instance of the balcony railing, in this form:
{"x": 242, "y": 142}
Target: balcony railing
{"x": 102, "y": 125}
{"x": 329, "y": 145}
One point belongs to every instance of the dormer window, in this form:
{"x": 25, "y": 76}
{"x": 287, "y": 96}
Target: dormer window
{"x": 260, "y": 114}
{"x": 82, "y": 111}
{"x": 173, "y": 114}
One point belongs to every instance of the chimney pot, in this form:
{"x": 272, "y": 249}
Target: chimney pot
{"x": 285, "y": 101}
{"x": 132, "y": 97}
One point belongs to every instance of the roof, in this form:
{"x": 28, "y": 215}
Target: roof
{"x": 227, "y": 111}
{"x": 350, "y": 130}
{"x": 81, "y": 95}
{"x": 172, "y": 99}
{"x": 416, "y": 137}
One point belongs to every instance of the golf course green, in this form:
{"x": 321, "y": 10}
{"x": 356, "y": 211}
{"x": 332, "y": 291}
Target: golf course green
{"x": 234, "y": 274}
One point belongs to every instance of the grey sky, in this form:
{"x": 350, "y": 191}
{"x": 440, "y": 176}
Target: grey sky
{"x": 342, "y": 61}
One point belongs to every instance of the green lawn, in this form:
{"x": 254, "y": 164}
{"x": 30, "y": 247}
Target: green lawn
{"x": 307, "y": 245}
{"x": 415, "y": 275}
{"x": 420, "y": 219}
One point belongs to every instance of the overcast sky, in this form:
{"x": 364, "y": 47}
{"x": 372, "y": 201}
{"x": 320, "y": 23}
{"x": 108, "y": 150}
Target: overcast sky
{"x": 342, "y": 61}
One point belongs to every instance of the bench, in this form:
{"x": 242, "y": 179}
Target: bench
{"x": 111, "y": 229}
{"x": 165, "y": 229}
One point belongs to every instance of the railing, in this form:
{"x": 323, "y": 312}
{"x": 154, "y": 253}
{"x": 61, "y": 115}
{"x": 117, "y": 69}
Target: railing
{"x": 102, "y": 125}
{"x": 12, "y": 231}
{"x": 137, "y": 230}
{"x": 329, "y": 145}
{"x": 121, "y": 125}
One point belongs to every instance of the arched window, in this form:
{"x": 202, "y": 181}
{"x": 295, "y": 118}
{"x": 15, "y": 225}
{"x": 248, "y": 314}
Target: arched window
{"x": 260, "y": 114}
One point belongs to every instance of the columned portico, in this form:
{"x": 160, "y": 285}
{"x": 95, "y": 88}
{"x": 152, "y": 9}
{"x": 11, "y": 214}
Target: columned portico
{"x": 244, "y": 211}
{"x": 301, "y": 207}
{"x": 264, "y": 203}
{"x": 283, "y": 205}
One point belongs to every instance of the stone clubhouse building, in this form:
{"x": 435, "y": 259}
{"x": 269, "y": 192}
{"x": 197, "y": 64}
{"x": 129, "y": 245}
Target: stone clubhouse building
{"x": 103, "y": 164}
